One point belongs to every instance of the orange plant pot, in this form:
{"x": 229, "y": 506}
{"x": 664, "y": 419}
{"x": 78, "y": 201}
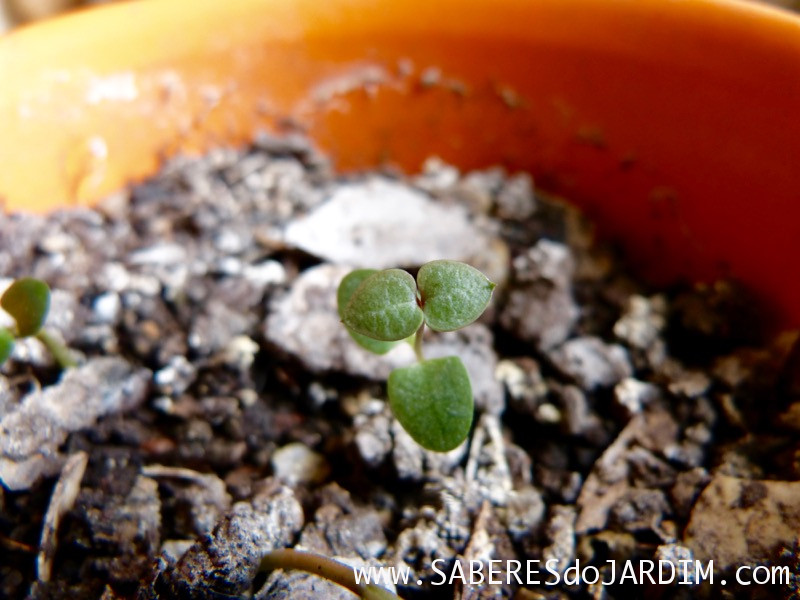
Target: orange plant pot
{"x": 673, "y": 124}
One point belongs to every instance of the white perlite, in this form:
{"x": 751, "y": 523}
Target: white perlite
{"x": 591, "y": 362}
{"x": 31, "y": 433}
{"x": 381, "y": 224}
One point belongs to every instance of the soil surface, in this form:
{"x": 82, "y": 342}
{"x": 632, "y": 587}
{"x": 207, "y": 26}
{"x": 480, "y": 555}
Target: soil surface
{"x": 220, "y": 410}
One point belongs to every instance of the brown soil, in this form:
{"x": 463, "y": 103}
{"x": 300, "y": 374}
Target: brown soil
{"x": 220, "y": 410}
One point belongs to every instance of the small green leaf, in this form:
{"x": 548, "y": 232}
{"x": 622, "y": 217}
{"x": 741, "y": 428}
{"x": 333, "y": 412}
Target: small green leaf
{"x": 433, "y": 402}
{"x": 347, "y": 286}
{"x": 384, "y": 306}
{"x": 27, "y": 300}
{"x": 6, "y": 344}
{"x": 453, "y": 294}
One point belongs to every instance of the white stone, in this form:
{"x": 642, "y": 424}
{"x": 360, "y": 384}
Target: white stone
{"x": 382, "y": 224}
{"x": 107, "y": 307}
{"x": 297, "y": 463}
{"x": 591, "y": 362}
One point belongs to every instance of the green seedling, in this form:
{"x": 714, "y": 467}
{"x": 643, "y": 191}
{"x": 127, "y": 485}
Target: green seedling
{"x": 27, "y": 300}
{"x": 432, "y": 399}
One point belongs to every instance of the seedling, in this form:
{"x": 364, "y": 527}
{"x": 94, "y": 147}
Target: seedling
{"x": 432, "y": 399}
{"x": 287, "y": 558}
{"x": 27, "y": 300}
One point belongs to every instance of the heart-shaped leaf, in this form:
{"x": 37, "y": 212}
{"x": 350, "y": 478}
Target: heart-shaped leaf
{"x": 433, "y": 402}
{"x": 347, "y": 286}
{"x": 6, "y": 344}
{"x": 384, "y": 306}
{"x": 453, "y": 294}
{"x": 27, "y": 300}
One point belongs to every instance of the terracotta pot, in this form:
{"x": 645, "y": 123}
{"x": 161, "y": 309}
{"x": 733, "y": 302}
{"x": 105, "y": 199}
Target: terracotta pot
{"x": 674, "y": 124}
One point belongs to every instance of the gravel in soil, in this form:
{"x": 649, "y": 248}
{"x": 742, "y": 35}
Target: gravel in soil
{"x": 221, "y": 410}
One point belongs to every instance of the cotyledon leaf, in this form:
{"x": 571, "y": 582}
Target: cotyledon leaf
{"x": 345, "y": 291}
{"x": 384, "y": 306}
{"x": 28, "y": 301}
{"x": 453, "y": 294}
{"x": 433, "y": 402}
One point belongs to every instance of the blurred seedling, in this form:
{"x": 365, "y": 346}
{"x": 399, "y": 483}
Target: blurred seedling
{"x": 27, "y": 301}
{"x": 431, "y": 399}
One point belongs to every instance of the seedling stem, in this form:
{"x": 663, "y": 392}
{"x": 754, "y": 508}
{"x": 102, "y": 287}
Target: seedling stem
{"x": 27, "y": 300}
{"x": 287, "y": 558}
{"x": 418, "y": 343}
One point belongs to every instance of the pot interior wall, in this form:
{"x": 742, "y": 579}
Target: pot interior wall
{"x": 672, "y": 124}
